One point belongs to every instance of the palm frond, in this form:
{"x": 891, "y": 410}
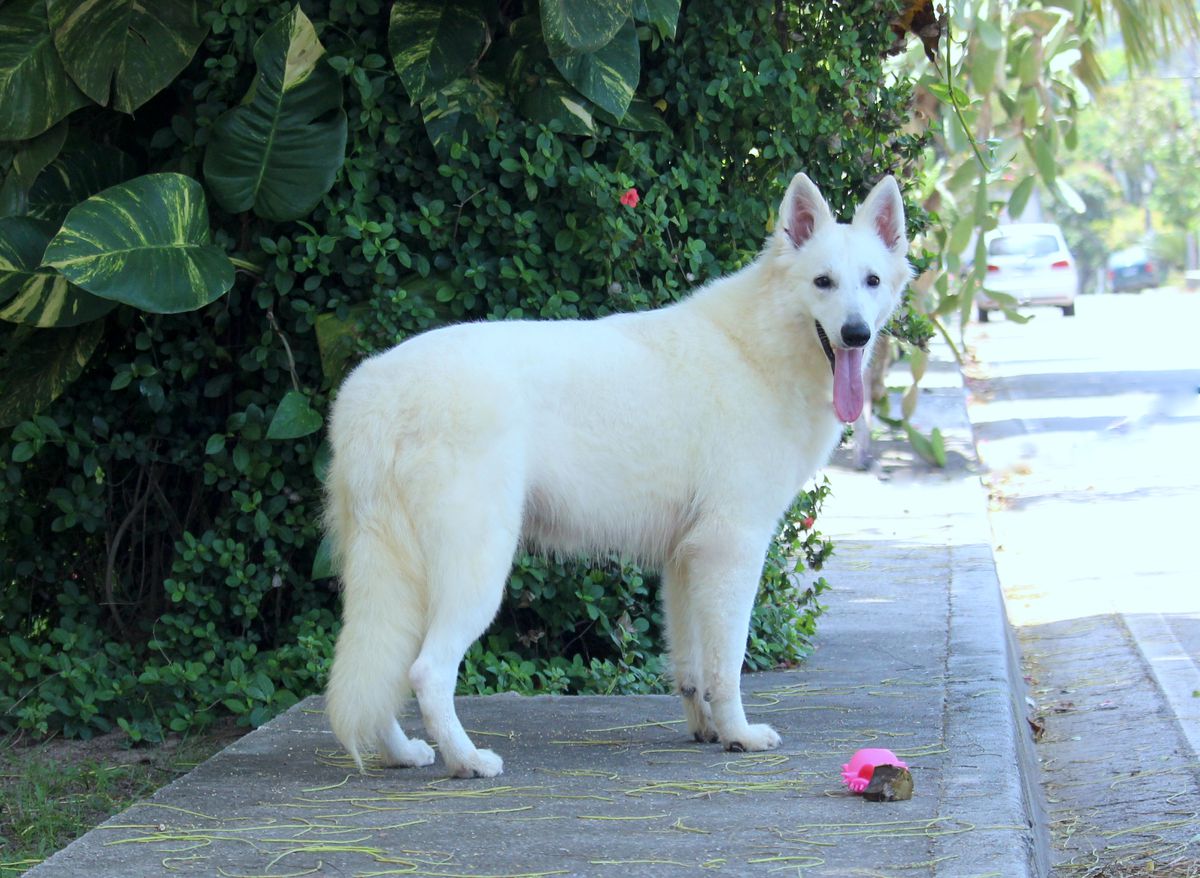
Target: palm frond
{"x": 1150, "y": 29}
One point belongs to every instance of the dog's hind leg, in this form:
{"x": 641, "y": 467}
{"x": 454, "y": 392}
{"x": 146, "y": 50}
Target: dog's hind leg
{"x": 458, "y": 616}
{"x": 400, "y": 751}
{"x": 683, "y": 638}
{"x": 472, "y": 562}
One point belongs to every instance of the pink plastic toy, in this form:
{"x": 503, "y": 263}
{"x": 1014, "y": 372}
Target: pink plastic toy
{"x": 858, "y": 771}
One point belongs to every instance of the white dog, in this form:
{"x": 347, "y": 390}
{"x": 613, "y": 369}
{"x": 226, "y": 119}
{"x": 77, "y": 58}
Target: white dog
{"x": 677, "y": 436}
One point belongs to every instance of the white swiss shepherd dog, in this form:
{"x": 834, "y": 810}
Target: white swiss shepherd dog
{"x": 677, "y": 436}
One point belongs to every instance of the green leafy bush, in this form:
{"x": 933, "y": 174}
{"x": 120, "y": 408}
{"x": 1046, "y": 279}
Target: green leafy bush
{"x": 160, "y": 556}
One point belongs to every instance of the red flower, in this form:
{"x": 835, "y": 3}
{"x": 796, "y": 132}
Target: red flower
{"x": 630, "y": 198}
{"x": 808, "y": 522}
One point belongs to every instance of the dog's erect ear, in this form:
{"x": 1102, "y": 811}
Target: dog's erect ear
{"x": 883, "y": 211}
{"x": 803, "y": 210}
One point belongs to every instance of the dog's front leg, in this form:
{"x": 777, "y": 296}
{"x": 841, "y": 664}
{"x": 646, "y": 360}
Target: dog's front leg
{"x": 683, "y": 638}
{"x": 723, "y": 579}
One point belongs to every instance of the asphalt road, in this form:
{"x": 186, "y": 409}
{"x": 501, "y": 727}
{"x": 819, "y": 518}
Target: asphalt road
{"x": 1089, "y": 427}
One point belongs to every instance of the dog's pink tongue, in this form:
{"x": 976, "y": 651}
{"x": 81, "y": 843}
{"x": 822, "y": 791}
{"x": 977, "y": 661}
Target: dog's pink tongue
{"x": 847, "y": 383}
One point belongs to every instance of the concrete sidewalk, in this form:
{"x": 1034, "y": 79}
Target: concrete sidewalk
{"x": 914, "y": 655}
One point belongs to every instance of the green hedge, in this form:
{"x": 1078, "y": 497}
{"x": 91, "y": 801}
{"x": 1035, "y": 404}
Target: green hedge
{"x": 159, "y": 521}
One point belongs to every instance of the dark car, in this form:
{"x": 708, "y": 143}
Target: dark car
{"x": 1134, "y": 269}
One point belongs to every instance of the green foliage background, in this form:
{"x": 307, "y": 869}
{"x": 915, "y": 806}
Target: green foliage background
{"x": 159, "y": 522}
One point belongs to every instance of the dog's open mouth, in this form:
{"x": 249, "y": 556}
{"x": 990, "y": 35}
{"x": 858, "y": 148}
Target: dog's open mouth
{"x": 825, "y": 345}
{"x": 846, "y": 365}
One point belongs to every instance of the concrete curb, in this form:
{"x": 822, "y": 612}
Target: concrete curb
{"x": 984, "y": 668}
{"x": 1167, "y": 661}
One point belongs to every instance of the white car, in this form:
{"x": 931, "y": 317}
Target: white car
{"x": 1031, "y": 263}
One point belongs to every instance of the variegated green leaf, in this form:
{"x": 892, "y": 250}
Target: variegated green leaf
{"x": 280, "y": 151}
{"x": 512, "y": 59}
{"x": 19, "y": 239}
{"x": 39, "y": 296}
{"x": 663, "y": 14}
{"x": 640, "y": 116}
{"x": 607, "y": 76}
{"x": 124, "y": 52}
{"x": 582, "y": 25}
{"x": 433, "y": 42}
{"x": 77, "y": 174}
{"x": 555, "y": 101}
{"x": 144, "y": 243}
{"x": 35, "y": 91}
{"x": 29, "y": 160}
{"x": 36, "y": 365}
{"x": 460, "y": 106}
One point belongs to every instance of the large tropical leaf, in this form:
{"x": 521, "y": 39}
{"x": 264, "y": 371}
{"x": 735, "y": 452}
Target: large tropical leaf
{"x": 125, "y": 51}
{"x": 280, "y": 151}
{"x": 509, "y": 60}
{"x": 1150, "y": 29}
{"x": 463, "y": 105}
{"x": 607, "y": 76}
{"x": 144, "y": 243}
{"x": 640, "y": 116}
{"x": 77, "y": 174}
{"x": 36, "y": 365}
{"x": 29, "y": 160}
{"x": 663, "y": 14}
{"x": 582, "y": 25}
{"x": 35, "y": 91}
{"x": 555, "y": 101}
{"x": 38, "y": 296}
{"x": 433, "y": 42}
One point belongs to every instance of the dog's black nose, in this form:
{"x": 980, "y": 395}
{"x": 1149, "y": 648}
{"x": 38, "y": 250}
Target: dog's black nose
{"x": 855, "y": 334}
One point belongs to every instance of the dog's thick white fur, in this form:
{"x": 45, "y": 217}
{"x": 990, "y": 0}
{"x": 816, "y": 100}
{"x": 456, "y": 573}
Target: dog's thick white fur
{"x": 678, "y": 436}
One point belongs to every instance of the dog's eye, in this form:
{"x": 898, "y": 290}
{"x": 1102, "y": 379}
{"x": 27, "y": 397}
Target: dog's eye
{"x": 872, "y": 280}
{"x": 822, "y": 281}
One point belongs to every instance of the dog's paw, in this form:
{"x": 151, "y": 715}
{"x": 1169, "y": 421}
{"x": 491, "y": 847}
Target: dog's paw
{"x": 752, "y": 738}
{"x": 701, "y": 727}
{"x": 699, "y": 719}
{"x": 411, "y": 753}
{"x": 481, "y": 763}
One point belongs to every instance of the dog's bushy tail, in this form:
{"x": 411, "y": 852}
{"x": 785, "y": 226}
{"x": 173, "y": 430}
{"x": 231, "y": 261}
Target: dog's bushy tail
{"x": 383, "y": 617}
